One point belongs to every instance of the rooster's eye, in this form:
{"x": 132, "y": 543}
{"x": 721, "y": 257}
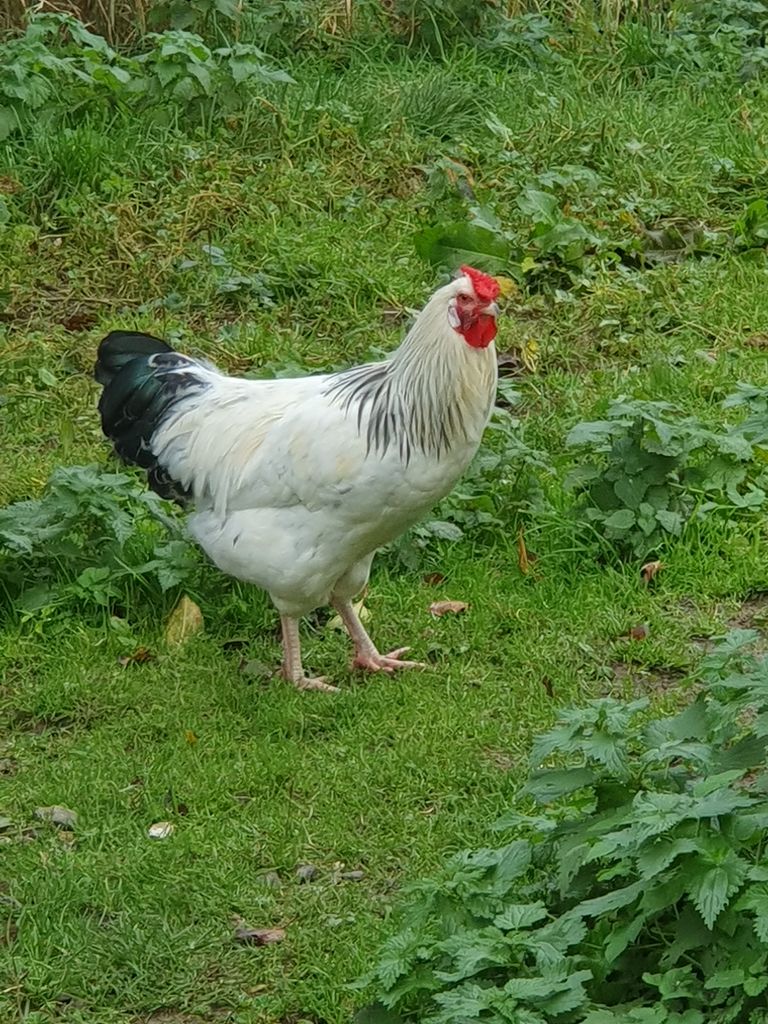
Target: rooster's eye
{"x": 463, "y": 298}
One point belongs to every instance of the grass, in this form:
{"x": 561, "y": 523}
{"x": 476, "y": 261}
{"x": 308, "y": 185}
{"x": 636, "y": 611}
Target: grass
{"x": 319, "y": 189}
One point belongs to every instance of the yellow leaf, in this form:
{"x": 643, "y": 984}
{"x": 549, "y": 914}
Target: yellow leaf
{"x": 185, "y": 620}
{"x": 506, "y": 285}
{"x": 362, "y": 613}
{"x": 529, "y": 352}
{"x": 190, "y": 736}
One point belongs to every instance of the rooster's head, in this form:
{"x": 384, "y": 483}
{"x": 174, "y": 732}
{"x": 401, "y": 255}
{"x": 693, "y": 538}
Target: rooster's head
{"x": 472, "y": 309}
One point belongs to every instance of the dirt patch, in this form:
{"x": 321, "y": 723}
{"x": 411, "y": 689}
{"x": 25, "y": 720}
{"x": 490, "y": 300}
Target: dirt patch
{"x": 499, "y": 759}
{"x": 648, "y": 679}
{"x": 753, "y": 613}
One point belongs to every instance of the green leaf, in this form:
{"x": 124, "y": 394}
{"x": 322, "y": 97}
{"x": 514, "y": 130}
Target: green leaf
{"x": 520, "y": 915}
{"x": 672, "y": 522}
{"x": 551, "y": 784}
{"x": 631, "y": 491}
{"x": 711, "y": 890}
{"x": 9, "y": 122}
{"x": 653, "y": 858}
{"x": 714, "y": 782}
{"x": 624, "y": 519}
{"x": 591, "y": 433}
{"x": 728, "y": 978}
{"x": 541, "y": 207}
{"x": 623, "y": 936}
{"x": 613, "y": 900}
{"x": 451, "y": 245}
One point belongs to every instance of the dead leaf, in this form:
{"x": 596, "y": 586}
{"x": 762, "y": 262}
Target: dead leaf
{"x": 258, "y": 936}
{"x": 525, "y": 558}
{"x": 638, "y": 632}
{"x": 757, "y": 341}
{"x": 185, "y": 620}
{"x": 650, "y": 569}
{"x": 548, "y": 687}
{"x": 160, "y": 830}
{"x": 61, "y": 817}
{"x": 433, "y": 579}
{"x": 190, "y": 736}
{"x": 440, "y": 608}
{"x": 77, "y": 322}
{"x": 139, "y": 657}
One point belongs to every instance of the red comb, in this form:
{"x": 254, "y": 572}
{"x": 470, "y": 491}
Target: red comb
{"x": 486, "y": 287}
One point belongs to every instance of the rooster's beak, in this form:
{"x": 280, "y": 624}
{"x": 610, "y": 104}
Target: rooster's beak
{"x": 492, "y": 309}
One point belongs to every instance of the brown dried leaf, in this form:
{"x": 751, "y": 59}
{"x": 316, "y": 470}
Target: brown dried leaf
{"x": 649, "y": 570}
{"x": 258, "y": 936}
{"x": 638, "y": 632}
{"x": 440, "y": 608}
{"x": 757, "y": 341}
{"x": 525, "y": 558}
{"x": 139, "y": 657}
{"x": 79, "y": 321}
{"x": 185, "y": 620}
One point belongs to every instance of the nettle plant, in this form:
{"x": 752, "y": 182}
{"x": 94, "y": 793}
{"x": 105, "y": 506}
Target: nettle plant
{"x": 637, "y": 892}
{"x": 646, "y": 470}
{"x": 89, "y": 538}
{"x": 58, "y": 67}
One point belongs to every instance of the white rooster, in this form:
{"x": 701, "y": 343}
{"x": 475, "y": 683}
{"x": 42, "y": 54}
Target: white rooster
{"x": 296, "y": 482}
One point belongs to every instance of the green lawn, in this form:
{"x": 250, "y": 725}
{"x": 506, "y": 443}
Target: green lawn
{"x": 320, "y": 189}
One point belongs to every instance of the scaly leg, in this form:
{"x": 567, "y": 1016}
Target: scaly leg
{"x": 292, "y": 669}
{"x": 366, "y": 655}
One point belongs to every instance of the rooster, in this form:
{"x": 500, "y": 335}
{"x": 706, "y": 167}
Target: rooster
{"x": 294, "y": 483}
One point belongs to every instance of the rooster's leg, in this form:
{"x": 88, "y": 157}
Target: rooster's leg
{"x": 292, "y": 669}
{"x": 366, "y": 655}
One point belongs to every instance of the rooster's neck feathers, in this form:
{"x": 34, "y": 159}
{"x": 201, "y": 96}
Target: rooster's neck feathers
{"x": 426, "y": 396}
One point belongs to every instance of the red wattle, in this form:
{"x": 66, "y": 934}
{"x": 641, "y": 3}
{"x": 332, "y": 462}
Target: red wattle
{"x": 481, "y": 333}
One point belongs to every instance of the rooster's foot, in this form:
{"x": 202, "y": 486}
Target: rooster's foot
{"x": 375, "y": 662}
{"x": 311, "y": 683}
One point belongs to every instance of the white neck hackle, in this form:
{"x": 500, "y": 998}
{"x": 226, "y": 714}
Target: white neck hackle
{"x": 433, "y": 392}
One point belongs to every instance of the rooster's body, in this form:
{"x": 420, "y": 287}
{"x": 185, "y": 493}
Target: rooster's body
{"x": 296, "y": 482}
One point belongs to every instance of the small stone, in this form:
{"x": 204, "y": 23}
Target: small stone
{"x": 61, "y": 817}
{"x": 307, "y": 873}
{"x": 353, "y": 876}
{"x": 271, "y": 879}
